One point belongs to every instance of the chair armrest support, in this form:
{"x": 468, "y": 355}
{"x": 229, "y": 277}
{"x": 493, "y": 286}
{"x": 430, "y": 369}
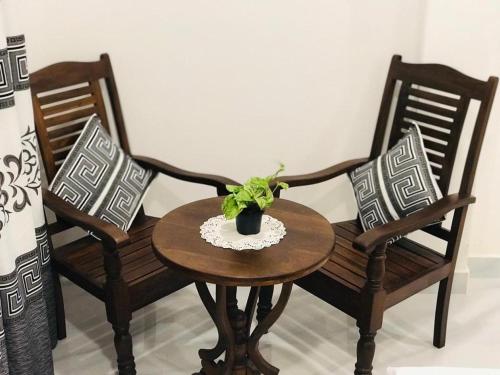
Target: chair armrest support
{"x": 219, "y": 182}
{"x": 324, "y": 174}
{"x": 377, "y": 236}
{"x": 112, "y": 236}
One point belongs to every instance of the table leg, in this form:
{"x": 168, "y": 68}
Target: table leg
{"x": 265, "y": 302}
{"x": 208, "y": 301}
{"x": 232, "y": 300}
{"x": 242, "y": 356}
{"x": 253, "y": 342}
{"x": 225, "y": 328}
{"x": 250, "y": 307}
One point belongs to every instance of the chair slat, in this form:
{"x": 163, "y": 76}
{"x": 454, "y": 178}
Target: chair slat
{"x": 64, "y": 95}
{"x": 64, "y": 142}
{"x": 435, "y": 146}
{"x": 431, "y": 108}
{"x": 68, "y": 106}
{"x": 65, "y": 130}
{"x": 435, "y": 158}
{"x": 428, "y": 131}
{"x": 436, "y": 170}
{"x": 60, "y": 155}
{"x": 441, "y": 99}
{"x": 420, "y": 117}
{"x": 68, "y": 117}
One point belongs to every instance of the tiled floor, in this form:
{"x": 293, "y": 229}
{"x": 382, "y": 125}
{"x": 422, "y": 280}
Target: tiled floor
{"x": 310, "y": 337}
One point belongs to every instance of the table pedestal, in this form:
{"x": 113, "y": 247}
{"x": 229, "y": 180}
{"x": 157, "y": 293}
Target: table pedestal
{"x": 242, "y": 356}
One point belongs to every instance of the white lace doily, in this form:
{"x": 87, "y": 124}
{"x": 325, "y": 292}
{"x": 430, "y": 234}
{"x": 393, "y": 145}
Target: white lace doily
{"x": 222, "y": 233}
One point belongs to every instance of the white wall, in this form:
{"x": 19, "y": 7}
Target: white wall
{"x": 232, "y": 87}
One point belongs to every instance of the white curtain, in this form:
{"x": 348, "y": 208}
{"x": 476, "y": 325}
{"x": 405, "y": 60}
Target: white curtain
{"x": 26, "y": 308}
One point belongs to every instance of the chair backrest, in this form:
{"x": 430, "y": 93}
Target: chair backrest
{"x": 437, "y": 97}
{"x": 64, "y": 96}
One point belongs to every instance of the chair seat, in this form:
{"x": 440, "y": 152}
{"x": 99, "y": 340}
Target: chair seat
{"x": 410, "y": 267}
{"x": 147, "y": 278}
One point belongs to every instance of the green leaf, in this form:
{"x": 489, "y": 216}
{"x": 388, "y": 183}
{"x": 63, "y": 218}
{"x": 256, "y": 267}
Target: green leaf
{"x": 269, "y": 201}
{"x": 230, "y": 207}
{"x": 262, "y": 202}
{"x": 269, "y": 195}
{"x": 254, "y": 190}
{"x": 250, "y": 190}
{"x": 233, "y": 188}
{"x": 257, "y": 182}
{"x": 241, "y": 205}
{"x": 243, "y": 196}
{"x": 283, "y": 185}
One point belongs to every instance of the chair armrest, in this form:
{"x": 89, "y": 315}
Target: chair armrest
{"x": 324, "y": 174}
{"x": 367, "y": 241}
{"x": 218, "y": 182}
{"x": 112, "y": 236}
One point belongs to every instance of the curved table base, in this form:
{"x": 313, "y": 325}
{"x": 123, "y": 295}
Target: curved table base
{"x": 242, "y": 356}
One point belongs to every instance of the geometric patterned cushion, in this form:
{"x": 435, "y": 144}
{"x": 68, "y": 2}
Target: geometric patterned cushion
{"x": 396, "y": 184}
{"x": 100, "y": 179}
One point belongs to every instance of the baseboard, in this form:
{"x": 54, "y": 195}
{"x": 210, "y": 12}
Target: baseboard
{"x": 460, "y": 283}
{"x": 484, "y": 266}
{"x": 478, "y": 267}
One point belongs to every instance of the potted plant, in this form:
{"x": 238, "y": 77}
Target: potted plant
{"x": 247, "y": 202}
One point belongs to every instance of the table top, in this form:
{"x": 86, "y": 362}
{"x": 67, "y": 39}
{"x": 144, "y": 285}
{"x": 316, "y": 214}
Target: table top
{"x": 306, "y": 247}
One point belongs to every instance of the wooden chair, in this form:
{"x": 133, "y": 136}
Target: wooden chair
{"x": 365, "y": 276}
{"x": 122, "y": 270}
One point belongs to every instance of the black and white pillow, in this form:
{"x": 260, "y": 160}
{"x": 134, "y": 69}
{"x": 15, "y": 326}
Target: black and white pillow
{"x": 396, "y": 184}
{"x": 100, "y": 179}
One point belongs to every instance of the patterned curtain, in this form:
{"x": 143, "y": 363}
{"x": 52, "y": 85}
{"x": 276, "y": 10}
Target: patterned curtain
{"x": 26, "y": 293}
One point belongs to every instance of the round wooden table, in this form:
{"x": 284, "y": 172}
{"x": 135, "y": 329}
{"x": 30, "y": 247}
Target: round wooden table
{"x": 306, "y": 247}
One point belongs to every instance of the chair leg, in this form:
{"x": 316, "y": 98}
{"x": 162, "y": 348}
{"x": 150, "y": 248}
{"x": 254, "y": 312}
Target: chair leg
{"x": 441, "y": 319}
{"x": 371, "y": 311}
{"x": 124, "y": 351}
{"x": 365, "y": 352}
{"x": 119, "y": 312}
{"x": 59, "y": 301}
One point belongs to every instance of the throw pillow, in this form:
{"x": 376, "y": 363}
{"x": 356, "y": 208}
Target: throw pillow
{"x": 396, "y": 184}
{"x": 100, "y": 179}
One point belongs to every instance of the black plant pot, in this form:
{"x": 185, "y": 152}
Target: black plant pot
{"x": 249, "y": 220}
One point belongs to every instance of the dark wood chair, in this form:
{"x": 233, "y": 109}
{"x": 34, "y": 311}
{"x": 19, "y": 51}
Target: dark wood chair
{"x": 122, "y": 270}
{"x": 365, "y": 276}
